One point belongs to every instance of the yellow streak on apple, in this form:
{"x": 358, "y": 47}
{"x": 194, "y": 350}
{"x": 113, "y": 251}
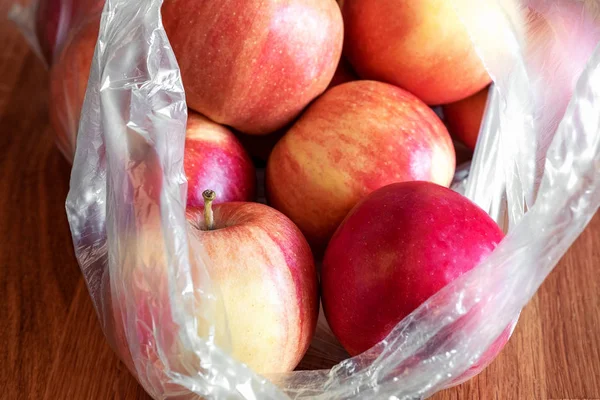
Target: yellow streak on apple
{"x": 260, "y": 320}
{"x": 201, "y": 128}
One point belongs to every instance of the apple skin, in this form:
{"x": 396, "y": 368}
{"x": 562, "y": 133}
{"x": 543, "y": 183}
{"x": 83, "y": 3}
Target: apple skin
{"x": 354, "y": 139}
{"x": 253, "y": 64}
{"x": 464, "y": 117}
{"x": 265, "y": 271}
{"x": 260, "y": 146}
{"x": 421, "y": 46}
{"x": 266, "y": 277}
{"x": 214, "y": 158}
{"x": 398, "y": 247}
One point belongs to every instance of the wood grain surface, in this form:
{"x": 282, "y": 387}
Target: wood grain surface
{"x": 51, "y": 345}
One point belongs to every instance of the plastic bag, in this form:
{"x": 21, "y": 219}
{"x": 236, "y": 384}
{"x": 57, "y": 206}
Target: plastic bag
{"x": 535, "y": 170}
{"x": 46, "y": 24}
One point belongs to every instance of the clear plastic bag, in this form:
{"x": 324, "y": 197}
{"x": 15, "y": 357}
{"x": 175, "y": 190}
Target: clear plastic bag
{"x": 46, "y": 24}
{"x": 49, "y": 26}
{"x": 535, "y": 170}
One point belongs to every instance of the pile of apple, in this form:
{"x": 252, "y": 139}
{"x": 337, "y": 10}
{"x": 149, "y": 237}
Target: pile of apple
{"x": 357, "y": 163}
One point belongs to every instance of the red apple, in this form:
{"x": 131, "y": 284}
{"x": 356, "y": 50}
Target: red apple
{"x": 421, "y": 46}
{"x": 254, "y": 64}
{"x": 464, "y": 117}
{"x": 398, "y": 247}
{"x": 214, "y": 158}
{"x": 265, "y": 274}
{"x": 356, "y": 138}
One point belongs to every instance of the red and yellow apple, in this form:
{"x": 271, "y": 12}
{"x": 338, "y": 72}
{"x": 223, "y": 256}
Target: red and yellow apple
{"x": 398, "y": 247}
{"x": 265, "y": 274}
{"x": 464, "y": 117}
{"x": 254, "y": 64}
{"x": 354, "y": 139}
{"x": 265, "y": 271}
{"x": 421, "y": 46}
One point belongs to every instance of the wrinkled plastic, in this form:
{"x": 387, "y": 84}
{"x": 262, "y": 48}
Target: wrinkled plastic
{"x": 535, "y": 170}
{"x": 24, "y": 18}
{"x": 46, "y": 24}
{"x": 49, "y": 26}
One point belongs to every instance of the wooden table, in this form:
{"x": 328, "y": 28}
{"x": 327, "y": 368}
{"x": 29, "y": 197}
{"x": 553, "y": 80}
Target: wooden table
{"x": 52, "y": 346}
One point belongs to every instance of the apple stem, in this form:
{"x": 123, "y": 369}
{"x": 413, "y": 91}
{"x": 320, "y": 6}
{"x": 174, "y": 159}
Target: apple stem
{"x": 209, "y": 196}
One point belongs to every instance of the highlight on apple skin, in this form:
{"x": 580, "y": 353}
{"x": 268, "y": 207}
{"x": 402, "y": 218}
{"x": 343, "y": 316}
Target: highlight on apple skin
{"x": 354, "y": 139}
{"x": 421, "y": 46}
{"x": 254, "y": 64}
{"x": 214, "y": 158}
{"x": 398, "y": 247}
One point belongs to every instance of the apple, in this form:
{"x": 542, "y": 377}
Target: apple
{"x": 254, "y": 64}
{"x": 265, "y": 271}
{"x": 421, "y": 46}
{"x": 354, "y": 139}
{"x": 464, "y": 117}
{"x": 398, "y": 247}
{"x": 265, "y": 274}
